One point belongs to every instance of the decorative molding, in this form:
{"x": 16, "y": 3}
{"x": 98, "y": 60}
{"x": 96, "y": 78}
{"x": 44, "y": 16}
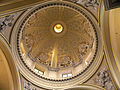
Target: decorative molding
{"x": 111, "y": 4}
{"x": 17, "y": 5}
{"x": 6, "y": 24}
{"x": 88, "y": 3}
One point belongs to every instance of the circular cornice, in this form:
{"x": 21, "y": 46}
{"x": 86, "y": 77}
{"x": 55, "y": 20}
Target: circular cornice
{"x": 39, "y": 80}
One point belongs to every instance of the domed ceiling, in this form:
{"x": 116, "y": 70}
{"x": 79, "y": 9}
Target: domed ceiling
{"x": 58, "y": 37}
{"x": 58, "y": 41}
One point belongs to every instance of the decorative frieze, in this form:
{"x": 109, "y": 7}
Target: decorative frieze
{"x": 6, "y": 22}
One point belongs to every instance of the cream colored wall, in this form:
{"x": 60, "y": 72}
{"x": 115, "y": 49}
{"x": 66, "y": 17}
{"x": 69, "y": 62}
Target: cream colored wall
{"x": 6, "y": 82}
{"x": 9, "y": 75}
{"x": 110, "y": 26}
{"x": 114, "y": 24}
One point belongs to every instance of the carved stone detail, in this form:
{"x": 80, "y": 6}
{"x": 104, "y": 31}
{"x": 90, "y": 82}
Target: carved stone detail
{"x": 28, "y": 86}
{"x": 6, "y": 22}
{"x": 103, "y": 79}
